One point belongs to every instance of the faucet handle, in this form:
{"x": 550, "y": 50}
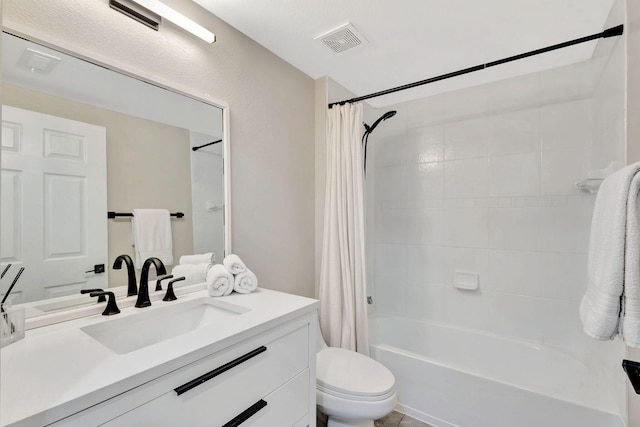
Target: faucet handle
{"x": 160, "y": 279}
{"x": 171, "y": 296}
{"x": 112, "y": 307}
{"x": 101, "y": 298}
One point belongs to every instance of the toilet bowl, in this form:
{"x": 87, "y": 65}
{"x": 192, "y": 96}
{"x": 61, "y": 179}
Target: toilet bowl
{"x": 352, "y": 389}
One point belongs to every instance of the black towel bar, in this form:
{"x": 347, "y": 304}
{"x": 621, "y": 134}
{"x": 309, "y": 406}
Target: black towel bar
{"x": 119, "y": 214}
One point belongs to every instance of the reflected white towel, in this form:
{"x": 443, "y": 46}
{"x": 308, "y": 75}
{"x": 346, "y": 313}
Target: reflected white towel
{"x": 234, "y": 264}
{"x": 208, "y": 258}
{"x": 611, "y": 304}
{"x": 193, "y": 273}
{"x": 152, "y": 235}
{"x": 631, "y": 300}
{"x": 245, "y": 282}
{"x": 219, "y": 281}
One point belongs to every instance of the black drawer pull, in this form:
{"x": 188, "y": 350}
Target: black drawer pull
{"x": 224, "y": 368}
{"x": 246, "y": 414}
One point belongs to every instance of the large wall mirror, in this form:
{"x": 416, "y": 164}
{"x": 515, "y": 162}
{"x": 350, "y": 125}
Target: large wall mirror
{"x": 80, "y": 140}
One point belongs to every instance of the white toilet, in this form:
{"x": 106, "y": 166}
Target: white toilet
{"x": 352, "y": 389}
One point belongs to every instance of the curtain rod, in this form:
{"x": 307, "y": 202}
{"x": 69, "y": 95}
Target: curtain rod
{"x": 611, "y": 32}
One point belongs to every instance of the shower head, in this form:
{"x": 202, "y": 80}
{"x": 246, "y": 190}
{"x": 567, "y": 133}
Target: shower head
{"x": 385, "y": 116}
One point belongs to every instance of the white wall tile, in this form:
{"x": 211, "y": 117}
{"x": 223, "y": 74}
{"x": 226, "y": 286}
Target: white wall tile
{"x": 516, "y": 316}
{"x": 560, "y": 326}
{"x": 467, "y": 102}
{"x": 391, "y": 261}
{"x": 469, "y": 309}
{"x": 467, "y": 227}
{"x": 467, "y": 139}
{"x": 563, "y": 276}
{"x": 575, "y": 81}
{"x": 426, "y": 302}
{"x": 514, "y": 175}
{"x": 467, "y": 260}
{"x": 516, "y": 132}
{"x": 487, "y": 187}
{"x": 425, "y": 226}
{"x": 514, "y": 228}
{"x": 391, "y": 226}
{"x": 515, "y": 93}
{"x": 561, "y": 169}
{"x": 425, "y": 180}
{"x": 566, "y": 126}
{"x": 425, "y": 144}
{"x": 391, "y": 296}
{"x": 564, "y": 229}
{"x": 390, "y": 183}
{"x": 425, "y": 264}
{"x": 466, "y": 178}
{"x": 389, "y": 151}
{"x": 514, "y": 272}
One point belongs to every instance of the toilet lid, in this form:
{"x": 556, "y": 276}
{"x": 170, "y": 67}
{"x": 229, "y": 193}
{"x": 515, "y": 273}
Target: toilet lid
{"x": 351, "y": 373}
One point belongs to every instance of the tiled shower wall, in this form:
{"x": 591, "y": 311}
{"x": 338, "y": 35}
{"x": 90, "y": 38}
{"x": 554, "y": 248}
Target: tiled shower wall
{"x": 482, "y": 181}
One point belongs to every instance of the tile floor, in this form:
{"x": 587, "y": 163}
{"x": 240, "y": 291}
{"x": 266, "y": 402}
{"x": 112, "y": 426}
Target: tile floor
{"x": 397, "y": 419}
{"x": 394, "y": 419}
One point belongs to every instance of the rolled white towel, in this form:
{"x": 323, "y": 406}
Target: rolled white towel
{"x": 245, "y": 283}
{"x": 234, "y": 264}
{"x": 219, "y": 281}
{"x": 208, "y": 258}
{"x": 193, "y": 273}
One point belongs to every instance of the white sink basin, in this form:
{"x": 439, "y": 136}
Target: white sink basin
{"x": 150, "y": 326}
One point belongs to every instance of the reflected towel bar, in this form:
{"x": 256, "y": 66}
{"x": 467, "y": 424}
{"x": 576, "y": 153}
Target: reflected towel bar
{"x": 119, "y": 214}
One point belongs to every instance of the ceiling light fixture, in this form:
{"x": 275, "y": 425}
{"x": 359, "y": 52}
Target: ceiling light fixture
{"x": 149, "y": 12}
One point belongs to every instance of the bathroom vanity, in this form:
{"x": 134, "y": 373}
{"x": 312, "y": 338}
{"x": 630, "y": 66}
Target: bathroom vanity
{"x": 242, "y": 359}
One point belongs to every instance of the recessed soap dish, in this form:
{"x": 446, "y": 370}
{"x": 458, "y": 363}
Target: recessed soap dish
{"x": 466, "y": 281}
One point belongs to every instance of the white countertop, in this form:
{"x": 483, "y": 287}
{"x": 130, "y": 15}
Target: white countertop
{"x": 60, "y": 370}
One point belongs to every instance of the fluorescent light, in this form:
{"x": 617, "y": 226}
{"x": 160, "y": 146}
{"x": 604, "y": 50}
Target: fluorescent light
{"x": 177, "y": 18}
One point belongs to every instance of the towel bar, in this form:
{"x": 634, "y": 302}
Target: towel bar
{"x": 119, "y": 214}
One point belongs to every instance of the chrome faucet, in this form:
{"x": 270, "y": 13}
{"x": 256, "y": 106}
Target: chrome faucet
{"x": 132, "y": 288}
{"x": 143, "y": 291}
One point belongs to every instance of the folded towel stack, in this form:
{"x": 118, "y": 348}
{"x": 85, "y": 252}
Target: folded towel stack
{"x": 611, "y": 305}
{"x": 193, "y": 273}
{"x": 208, "y": 258}
{"x": 219, "y": 281}
{"x": 231, "y": 275}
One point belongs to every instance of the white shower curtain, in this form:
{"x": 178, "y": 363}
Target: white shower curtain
{"x": 343, "y": 306}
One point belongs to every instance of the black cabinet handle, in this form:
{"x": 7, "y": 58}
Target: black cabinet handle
{"x": 246, "y": 414}
{"x": 224, "y": 368}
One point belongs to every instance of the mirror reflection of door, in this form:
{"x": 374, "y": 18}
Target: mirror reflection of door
{"x": 53, "y": 197}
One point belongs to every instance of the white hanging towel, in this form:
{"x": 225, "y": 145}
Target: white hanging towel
{"x": 152, "y": 235}
{"x": 245, "y": 282}
{"x": 611, "y": 304}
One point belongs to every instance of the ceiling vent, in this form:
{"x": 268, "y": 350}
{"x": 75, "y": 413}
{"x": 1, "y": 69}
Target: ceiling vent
{"x": 342, "y": 38}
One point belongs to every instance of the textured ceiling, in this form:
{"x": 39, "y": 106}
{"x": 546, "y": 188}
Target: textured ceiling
{"x": 411, "y": 40}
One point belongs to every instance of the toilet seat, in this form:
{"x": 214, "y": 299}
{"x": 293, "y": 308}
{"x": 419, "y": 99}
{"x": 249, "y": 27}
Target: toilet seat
{"x": 352, "y": 376}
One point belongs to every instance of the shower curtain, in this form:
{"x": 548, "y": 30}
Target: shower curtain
{"x": 343, "y": 309}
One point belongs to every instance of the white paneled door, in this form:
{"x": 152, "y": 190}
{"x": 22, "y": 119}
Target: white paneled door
{"x": 54, "y": 204}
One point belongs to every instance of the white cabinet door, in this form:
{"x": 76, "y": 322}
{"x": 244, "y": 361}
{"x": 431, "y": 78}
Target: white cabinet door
{"x": 54, "y": 202}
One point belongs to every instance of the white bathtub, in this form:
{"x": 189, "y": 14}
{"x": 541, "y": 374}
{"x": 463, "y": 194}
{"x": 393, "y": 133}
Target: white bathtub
{"x": 449, "y": 376}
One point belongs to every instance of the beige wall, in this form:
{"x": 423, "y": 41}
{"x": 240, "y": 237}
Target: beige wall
{"x": 272, "y": 117}
{"x": 632, "y": 30}
{"x": 148, "y": 166}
